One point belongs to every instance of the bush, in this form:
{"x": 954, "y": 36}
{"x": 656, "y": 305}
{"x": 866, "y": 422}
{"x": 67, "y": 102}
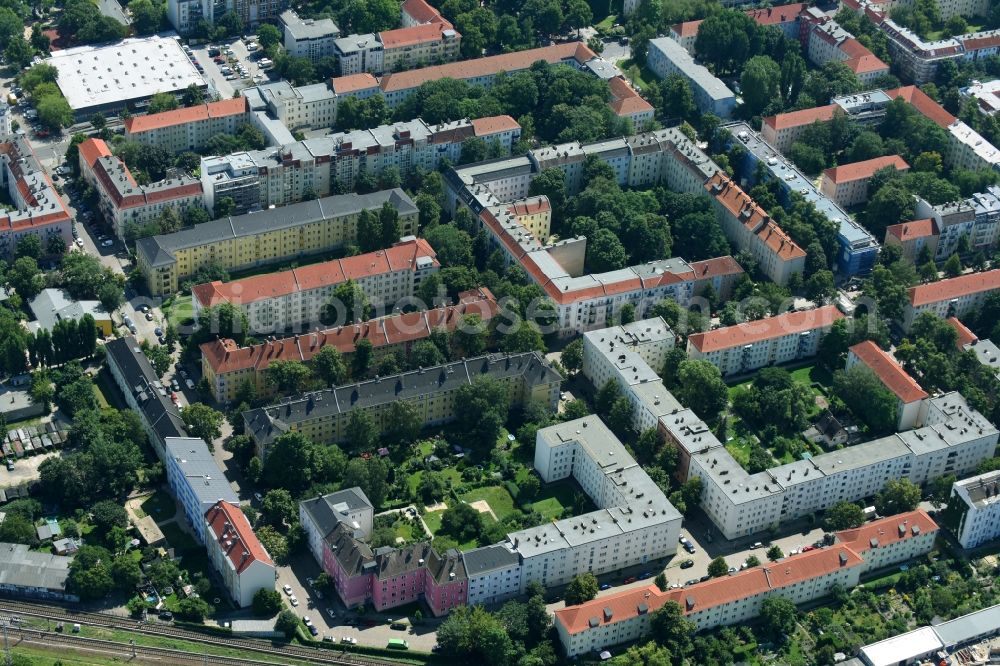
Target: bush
{"x": 266, "y": 603}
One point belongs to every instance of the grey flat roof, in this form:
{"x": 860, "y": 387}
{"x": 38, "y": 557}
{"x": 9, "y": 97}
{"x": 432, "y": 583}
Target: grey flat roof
{"x": 300, "y": 28}
{"x": 961, "y": 630}
{"x": 22, "y": 567}
{"x": 480, "y": 561}
{"x": 699, "y": 74}
{"x": 323, "y": 510}
{"x": 206, "y": 480}
{"x": 158, "y": 249}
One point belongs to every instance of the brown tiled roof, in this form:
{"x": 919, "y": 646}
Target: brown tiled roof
{"x": 494, "y": 125}
{"x": 421, "y": 12}
{"x": 864, "y": 169}
{"x": 803, "y": 117}
{"x": 92, "y": 149}
{"x": 752, "y": 216}
{"x": 906, "y": 231}
{"x": 924, "y": 104}
{"x": 353, "y": 82}
{"x": 226, "y": 107}
{"x": 625, "y": 101}
{"x": 945, "y": 290}
{"x": 888, "y": 371}
{"x": 965, "y": 336}
{"x": 233, "y": 532}
{"x": 887, "y": 531}
{"x": 417, "y": 34}
{"x": 750, "y": 332}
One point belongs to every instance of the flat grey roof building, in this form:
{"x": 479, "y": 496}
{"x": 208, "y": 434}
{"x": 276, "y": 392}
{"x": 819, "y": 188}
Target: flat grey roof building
{"x": 195, "y": 462}
{"x": 302, "y": 29}
{"x": 326, "y": 511}
{"x": 30, "y": 573}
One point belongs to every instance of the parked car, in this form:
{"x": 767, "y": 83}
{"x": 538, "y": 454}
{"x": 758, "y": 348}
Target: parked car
{"x": 188, "y": 383}
{"x": 606, "y": 586}
{"x": 287, "y": 589}
{"x": 689, "y": 547}
{"x": 349, "y": 640}
{"x": 293, "y": 600}
{"x": 313, "y": 630}
{"x": 158, "y": 332}
{"x": 630, "y": 579}
{"x": 687, "y": 564}
{"x": 79, "y": 241}
{"x": 107, "y": 243}
{"x": 149, "y": 316}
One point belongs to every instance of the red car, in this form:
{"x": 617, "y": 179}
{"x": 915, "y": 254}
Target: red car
{"x": 630, "y": 579}
{"x": 808, "y": 548}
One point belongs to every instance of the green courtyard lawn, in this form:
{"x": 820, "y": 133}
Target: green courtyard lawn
{"x": 607, "y": 23}
{"x": 450, "y": 474}
{"x": 178, "y": 310}
{"x": 496, "y": 496}
{"x": 554, "y": 499}
{"x": 637, "y": 73}
{"x": 739, "y": 449}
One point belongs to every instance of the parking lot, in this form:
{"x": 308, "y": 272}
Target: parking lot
{"x": 239, "y": 55}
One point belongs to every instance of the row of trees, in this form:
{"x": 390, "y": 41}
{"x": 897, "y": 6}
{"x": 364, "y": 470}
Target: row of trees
{"x": 40, "y": 82}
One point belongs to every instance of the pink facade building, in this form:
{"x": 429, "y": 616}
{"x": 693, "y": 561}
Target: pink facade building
{"x": 392, "y": 577}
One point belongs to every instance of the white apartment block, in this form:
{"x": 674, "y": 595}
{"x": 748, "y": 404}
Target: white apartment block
{"x": 755, "y": 344}
{"x": 953, "y": 439}
{"x": 952, "y": 297}
{"x": 320, "y": 515}
{"x": 750, "y": 228}
{"x": 494, "y": 574}
{"x": 305, "y": 107}
{"x": 292, "y": 172}
{"x": 395, "y": 50}
{"x": 628, "y": 355}
{"x": 978, "y": 500}
{"x": 625, "y": 617}
{"x": 274, "y": 302}
{"x": 237, "y": 555}
{"x": 585, "y": 302}
{"x": 634, "y": 524}
{"x": 666, "y": 57}
{"x": 308, "y": 38}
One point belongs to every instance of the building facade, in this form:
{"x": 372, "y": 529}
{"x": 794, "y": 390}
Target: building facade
{"x": 264, "y": 238}
{"x": 951, "y": 297}
{"x": 977, "y": 508}
{"x": 299, "y": 298}
{"x": 321, "y": 515}
{"x": 188, "y": 128}
{"x": 308, "y": 38}
{"x": 195, "y": 480}
{"x": 236, "y": 554}
{"x": 847, "y": 184}
{"x": 37, "y": 209}
{"x": 912, "y": 237}
{"x": 323, "y": 416}
{"x": 711, "y": 95}
{"x": 771, "y": 341}
{"x": 910, "y": 398}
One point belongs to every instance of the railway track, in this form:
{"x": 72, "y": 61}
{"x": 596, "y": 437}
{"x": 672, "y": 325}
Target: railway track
{"x": 16, "y": 608}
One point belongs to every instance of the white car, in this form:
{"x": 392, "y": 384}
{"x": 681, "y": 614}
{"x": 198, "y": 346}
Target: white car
{"x": 189, "y": 384}
{"x": 287, "y": 589}
{"x": 293, "y": 600}
{"x": 310, "y": 581}
{"x": 306, "y": 620}
{"x": 349, "y": 640}
{"x": 107, "y": 243}
{"x": 79, "y": 242}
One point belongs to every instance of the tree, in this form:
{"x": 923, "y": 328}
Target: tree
{"x": 778, "y": 615}
{"x": 844, "y": 515}
{"x": 106, "y": 515}
{"x": 161, "y": 102}
{"x": 28, "y": 246}
{"x": 718, "y": 568}
{"x": 193, "y": 609}
{"x": 605, "y": 252}
{"x": 362, "y": 433}
{"x": 489, "y": 400}
{"x": 287, "y": 376}
{"x": 820, "y": 286}
{"x": 671, "y": 629}
{"x": 473, "y": 635}
{"x": 581, "y": 589}
{"x": 146, "y": 16}
{"x": 55, "y": 245}
{"x": 953, "y": 266}
{"x": 753, "y": 561}
{"x": 18, "y": 51}
{"x": 867, "y": 398}
{"x": 661, "y": 582}
{"x": 774, "y": 553}
{"x": 54, "y": 111}
{"x": 278, "y": 508}
{"x": 462, "y": 522}
{"x": 572, "y": 355}
{"x": 266, "y": 603}
{"x": 700, "y": 385}
{"x": 287, "y": 623}
{"x": 403, "y": 422}
{"x": 892, "y": 204}
{"x": 760, "y": 83}
{"x": 203, "y": 421}
{"x": 329, "y": 366}
{"x": 268, "y": 36}
{"x": 25, "y": 277}
{"x": 897, "y": 496}
{"x": 90, "y": 573}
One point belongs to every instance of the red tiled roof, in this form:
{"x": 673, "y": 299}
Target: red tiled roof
{"x": 866, "y": 63}
{"x": 686, "y": 29}
{"x": 226, "y": 107}
{"x": 625, "y": 101}
{"x": 741, "y": 206}
{"x": 888, "y": 371}
{"x": 864, "y": 169}
{"x": 749, "y": 332}
{"x": 92, "y": 149}
{"x": 802, "y": 117}
{"x": 402, "y": 256}
{"x": 965, "y": 336}
{"x": 225, "y": 356}
{"x": 777, "y": 15}
{"x": 945, "y": 290}
{"x": 532, "y": 206}
{"x": 232, "y": 531}
{"x": 477, "y": 67}
{"x": 421, "y": 12}
{"x": 417, "y": 34}
{"x": 353, "y": 83}
{"x": 924, "y": 104}
{"x": 887, "y": 531}
{"x": 906, "y": 231}
{"x": 977, "y": 43}
{"x": 711, "y": 593}
{"x": 491, "y": 125}
{"x": 715, "y": 267}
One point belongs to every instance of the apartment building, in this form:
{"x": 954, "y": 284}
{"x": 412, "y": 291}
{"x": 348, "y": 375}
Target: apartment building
{"x": 196, "y": 481}
{"x": 312, "y": 39}
{"x": 977, "y": 219}
{"x": 294, "y": 172}
{"x": 418, "y": 12}
{"x": 910, "y": 398}
{"x": 783, "y": 17}
{"x": 986, "y": 351}
{"x": 711, "y": 95}
{"x": 188, "y": 128}
{"x": 847, "y": 184}
{"x": 912, "y": 237}
{"x": 784, "y": 129}
{"x": 494, "y": 573}
{"x": 749, "y": 228}
{"x": 144, "y": 393}
{"x": 226, "y": 365}
{"x": 321, "y": 515}
{"x": 858, "y": 248}
{"x": 986, "y": 94}
{"x": 185, "y": 15}
{"x": 124, "y": 202}
{"x": 628, "y": 354}
{"x": 264, "y": 238}
{"x": 737, "y": 598}
{"x": 826, "y": 41}
{"x": 585, "y": 302}
{"x": 323, "y": 416}
{"x": 772, "y": 341}
{"x": 312, "y": 106}
{"x": 299, "y": 297}
{"x": 395, "y": 50}
{"x": 36, "y": 208}
{"x": 976, "y": 503}
{"x": 237, "y": 554}
{"x": 952, "y": 297}
{"x": 634, "y": 522}
{"x": 626, "y": 103}
{"x": 953, "y": 439}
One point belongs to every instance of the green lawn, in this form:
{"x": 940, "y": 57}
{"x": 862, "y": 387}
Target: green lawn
{"x": 178, "y": 539}
{"x": 102, "y": 402}
{"x": 433, "y": 520}
{"x": 739, "y": 449}
{"x": 607, "y": 23}
{"x": 444, "y": 542}
{"x": 637, "y": 73}
{"x": 553, "y": 499}
{"x": 450, "y": 473}
{"x": 813, "y": 374}
{"x": 178, "y": 310}
{"x": 496, "y": 496}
